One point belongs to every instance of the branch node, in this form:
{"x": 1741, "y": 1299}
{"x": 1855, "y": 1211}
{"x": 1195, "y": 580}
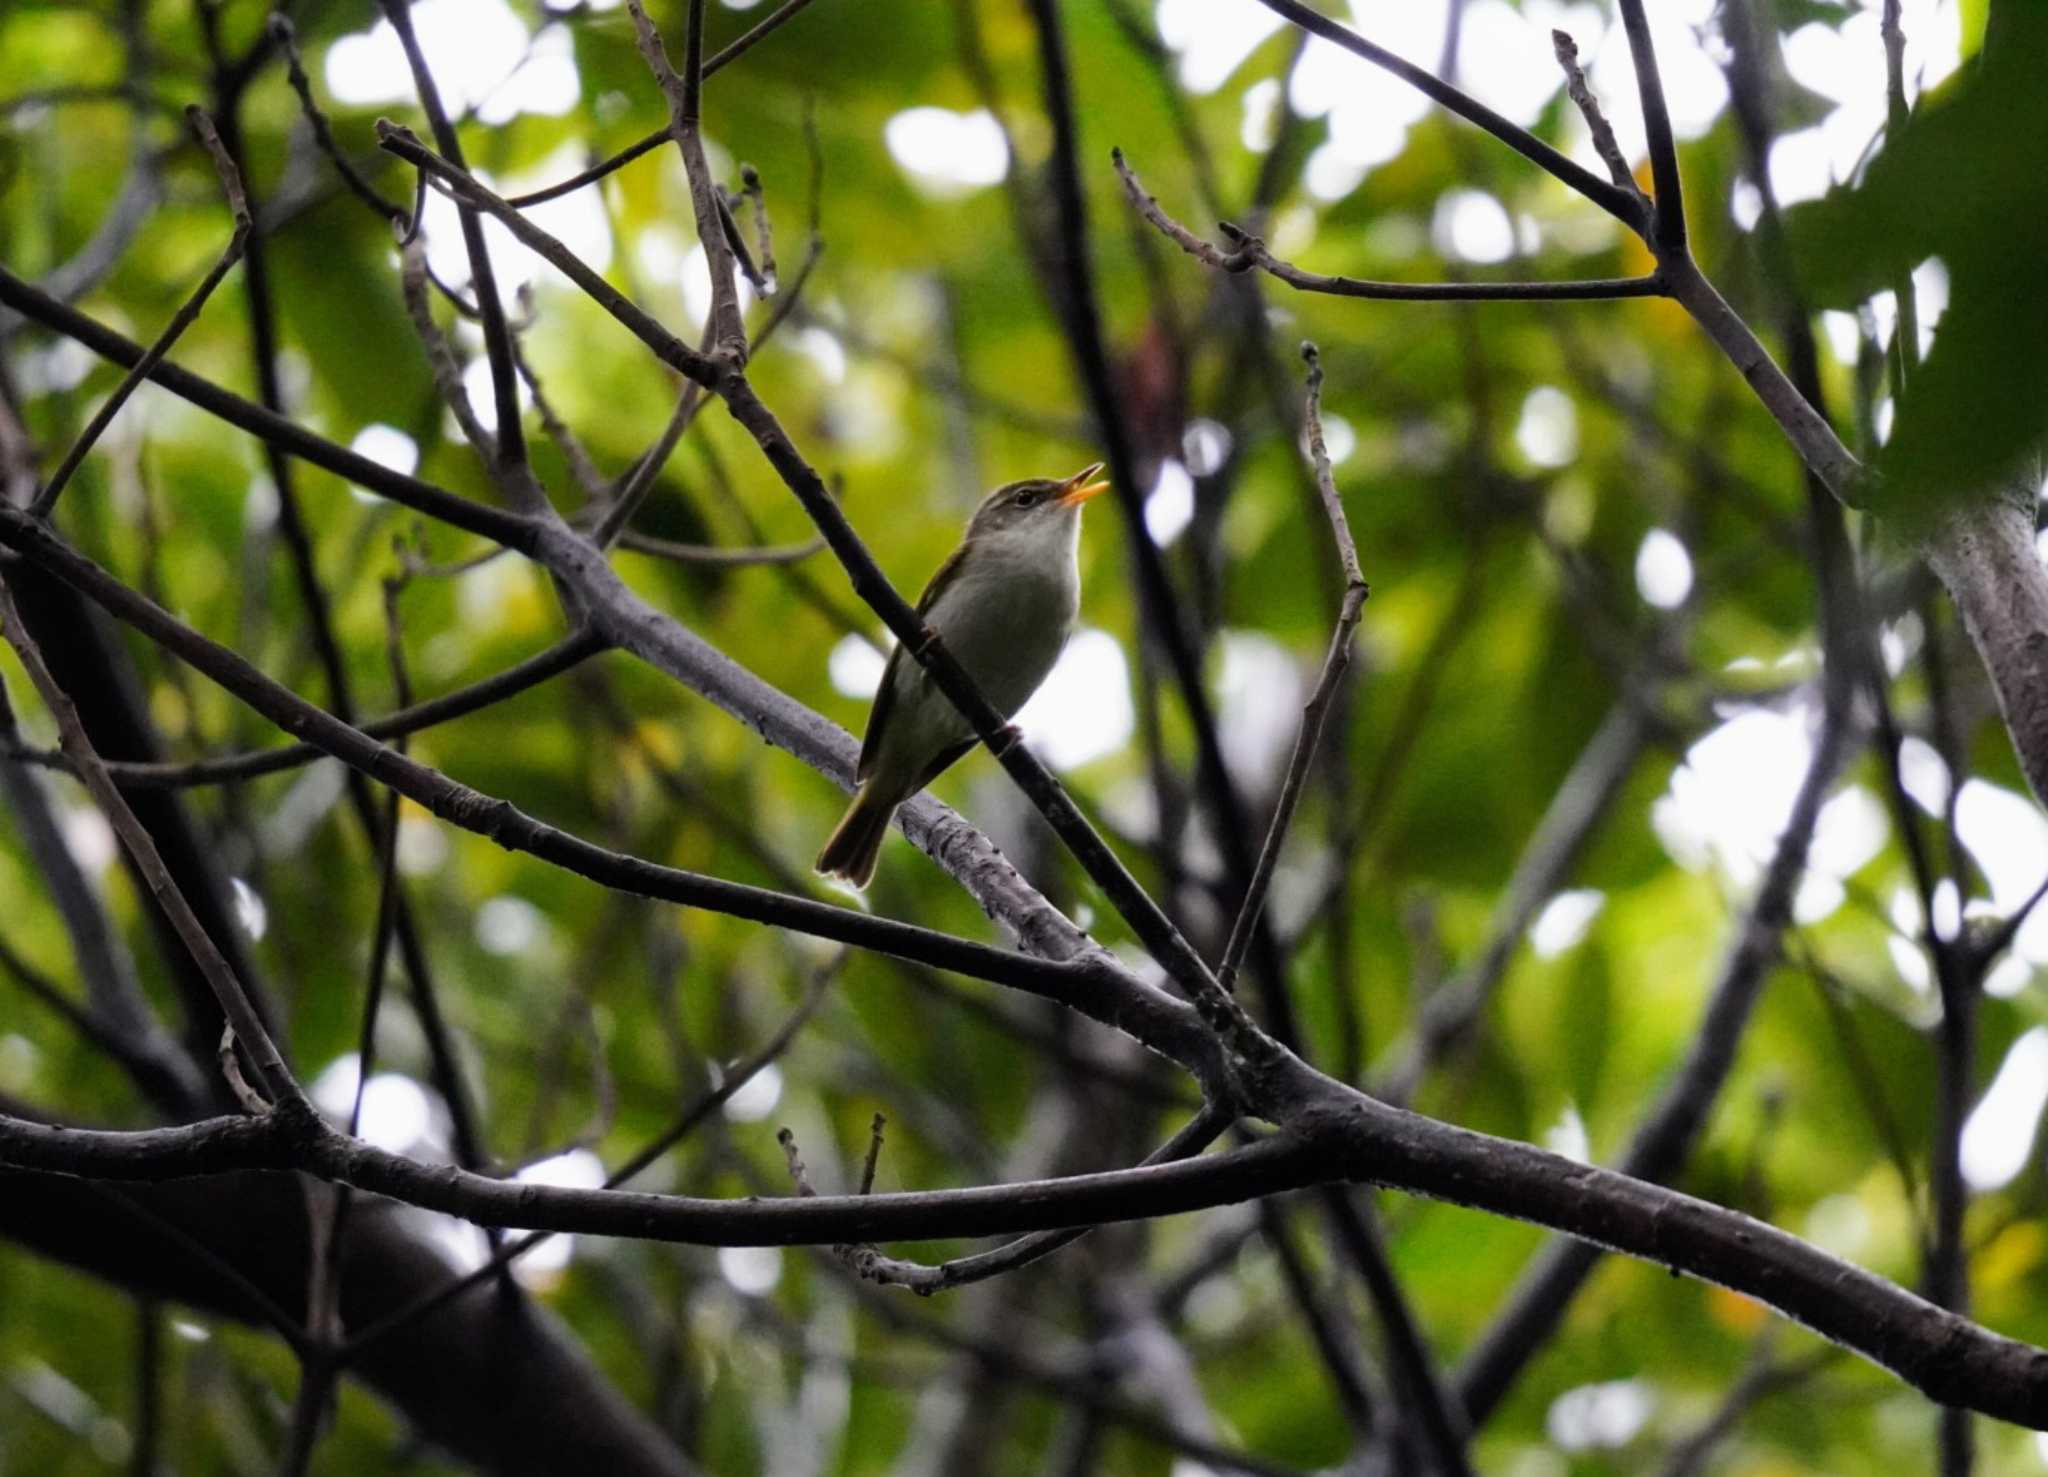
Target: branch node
{"x": 253, "y": 1102}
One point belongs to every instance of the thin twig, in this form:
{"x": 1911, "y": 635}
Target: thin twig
{"x": 187, "y": 314}
{"x": 736, "y": 243}
{"x": 764, "y": 235}
{"x": 130, "y": 774}
{"x": 253, "y": 1102}
{"x": 1581, "y": 94}
{"x": 617, "y": 517}
{"x": 632, "y": 492}
{"x": 773, "y": 21}
{"x": 1999, "y": 937}
{"x": 867, "y": 1170}
{"x": 859, "y": 1257}
{"x": 1619, "y": 203}
{"x": 508, "y": 455}
{"x": 1196, "y": 1135}
{"x": 282, "y": 33}
{"x": 685, "y": 95}
{"x": 589, "y": 481}
{"x": 722, "y": 555}
{"x": 412, "y": 279}
{"x": 1316, "y": 710}
{"x": 1248, "y": 252}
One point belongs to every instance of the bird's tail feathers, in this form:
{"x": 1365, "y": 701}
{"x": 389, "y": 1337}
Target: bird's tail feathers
{"x": 856, "y": 842}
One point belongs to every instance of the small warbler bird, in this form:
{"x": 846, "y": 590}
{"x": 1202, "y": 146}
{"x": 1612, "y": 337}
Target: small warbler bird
{"x": 1003, "y": 603}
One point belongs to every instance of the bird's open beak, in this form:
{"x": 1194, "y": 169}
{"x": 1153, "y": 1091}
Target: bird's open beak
{"x": 1077, "y": 489}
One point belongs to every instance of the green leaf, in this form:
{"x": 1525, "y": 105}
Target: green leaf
{"x": 1965, "y": 182}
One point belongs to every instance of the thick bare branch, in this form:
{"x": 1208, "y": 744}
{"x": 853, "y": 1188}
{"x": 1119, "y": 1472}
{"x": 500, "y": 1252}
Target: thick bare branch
{"x": 1945, "y": 1355}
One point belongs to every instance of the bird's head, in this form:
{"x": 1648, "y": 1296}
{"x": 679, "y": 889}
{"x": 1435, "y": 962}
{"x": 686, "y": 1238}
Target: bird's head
{"x": 1047, "y": 503}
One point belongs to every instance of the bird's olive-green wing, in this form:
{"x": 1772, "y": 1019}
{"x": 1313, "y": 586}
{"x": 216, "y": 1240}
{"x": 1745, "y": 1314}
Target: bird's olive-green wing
{"x": 885, "y": 699}
{"x": 885, "y": 695}
{"x": 946, "y": 759}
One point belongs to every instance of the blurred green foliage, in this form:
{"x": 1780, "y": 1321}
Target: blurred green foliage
{"x": 1505, "y": 617}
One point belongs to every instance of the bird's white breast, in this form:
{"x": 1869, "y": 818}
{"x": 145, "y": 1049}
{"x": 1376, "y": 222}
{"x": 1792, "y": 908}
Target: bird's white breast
{"x": 1008, "y": 613}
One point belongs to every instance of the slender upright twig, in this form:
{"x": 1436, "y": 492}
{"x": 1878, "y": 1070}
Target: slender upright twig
{"x": 1316, "y": 710}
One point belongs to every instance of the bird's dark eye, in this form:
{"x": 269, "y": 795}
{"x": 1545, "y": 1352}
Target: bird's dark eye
{"x": 1027, "y": 497}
